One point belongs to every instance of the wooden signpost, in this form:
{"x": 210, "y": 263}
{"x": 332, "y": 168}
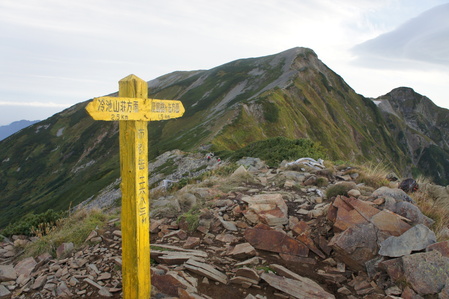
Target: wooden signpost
{"x": 133, "y": 110}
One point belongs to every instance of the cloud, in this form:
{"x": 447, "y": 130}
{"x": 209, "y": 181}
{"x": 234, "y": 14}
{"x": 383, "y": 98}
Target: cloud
{"x": 420, "y": 43}
{"x": 34, "y": 104}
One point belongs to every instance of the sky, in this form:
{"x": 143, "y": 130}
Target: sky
{"x": 54, "y": 54}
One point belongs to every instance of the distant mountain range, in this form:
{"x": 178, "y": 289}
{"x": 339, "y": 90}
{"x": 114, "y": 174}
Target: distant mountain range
{"x": 8, "y": 130}
{"x": 69, "y": 157}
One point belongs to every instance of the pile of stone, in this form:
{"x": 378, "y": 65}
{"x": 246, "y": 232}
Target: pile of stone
{"x": 264, "y": 233}
{"x": 93, "y": 271}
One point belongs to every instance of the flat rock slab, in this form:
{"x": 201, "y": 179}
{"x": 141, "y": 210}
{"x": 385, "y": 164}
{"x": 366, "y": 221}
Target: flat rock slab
{"x": 7, "y": 273}
{"x": 4, "y": 292}
{"x": 415, "y": 239}
{"x": 390, "y": 223}
{"x": 25, "y": 266}
{"x": 206, "y": 270}
{"x": 242, "y": 250}
{"x": 264, "y": 238}
{"x": 295, "y": 288}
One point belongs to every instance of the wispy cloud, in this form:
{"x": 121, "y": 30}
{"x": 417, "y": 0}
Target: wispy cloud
{"x": 418, "y": 43}
{"x": 34, "y": 104}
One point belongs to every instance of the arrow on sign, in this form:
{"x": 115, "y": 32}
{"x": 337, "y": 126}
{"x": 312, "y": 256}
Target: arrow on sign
{"x": 120, "y": 108}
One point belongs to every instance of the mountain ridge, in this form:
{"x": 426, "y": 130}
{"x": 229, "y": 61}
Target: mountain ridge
{"x": 14, "y": 127}
{"x": 69, "y": 158}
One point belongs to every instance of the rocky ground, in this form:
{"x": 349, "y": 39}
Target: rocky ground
{"x": 259, "y": 233}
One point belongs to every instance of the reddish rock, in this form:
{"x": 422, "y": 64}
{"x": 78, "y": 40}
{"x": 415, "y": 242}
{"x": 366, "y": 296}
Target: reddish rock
{"x": 339, "y": 203}
{"x": 394, "y": 268}
{"x": 298, "y": 260}
{"x": 264, "y": 238}
{"x": 167, "y": 284}
{"x": 323, "y": 244}
{"x": 25, "y": 266}
{"x": 302, "y": 230}
{"x": 243, "y": 250}
{"x": 227, "y": 238}
{"x": 184, "y": 294}
{"x": 390, "y": 223}
{"x": 191, "y": 242}
{"x": 364, "y": 209}
{"x": 332, "y": 213}
{"x": 442, "y": 247}
{"x": 267, "y": 208}
{"x": 154, "y": 225}
{"x": 408, "y": 293}
{"x": 347, "y": 218}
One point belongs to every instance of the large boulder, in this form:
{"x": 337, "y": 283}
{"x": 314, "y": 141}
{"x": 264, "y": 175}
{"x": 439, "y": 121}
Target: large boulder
{"x": 397, "y": 194}
{"x": 427, "y": 273}
{"x": 356, "y": 245}
{"x": 415, "y": 239}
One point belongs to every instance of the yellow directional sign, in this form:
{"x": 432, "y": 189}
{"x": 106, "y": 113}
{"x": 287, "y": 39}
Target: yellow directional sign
{"x": 133, "y": 110}
{"x": 121, "y": 108}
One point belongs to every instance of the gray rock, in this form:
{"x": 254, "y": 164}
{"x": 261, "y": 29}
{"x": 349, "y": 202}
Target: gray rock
{"x": 415, "y": 239}
{"x": 4, "y": 292}
{"x": 356, "y": 245}
{"x": 427, "y": 273}
{"x": 104, "y": 292}
{"x": 294, "y": 175}
{"x": 397, "y": 194}
{"x": 229, "y": 225}
{"x": 239, "y": 172}
{"x": 63, "y": 291}
{"x": 39, "y": 282}
{"x": 26, "y": 266}
{"x": 168, "y": 208}
{"x": 412, "y": 212}
{"x": 7, "y": 273}
{"x": 255, "y": 163}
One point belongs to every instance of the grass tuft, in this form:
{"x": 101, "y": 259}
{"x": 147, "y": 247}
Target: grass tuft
{"x": 373, "y": 175}
{"x": 75, "y": 228}
{"x": 436, "y": 208}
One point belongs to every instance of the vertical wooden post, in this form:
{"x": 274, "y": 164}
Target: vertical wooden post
{"x": 135, "y": 199}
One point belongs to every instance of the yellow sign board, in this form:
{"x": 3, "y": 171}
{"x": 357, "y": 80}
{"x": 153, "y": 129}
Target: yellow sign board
{"x": 133, "y": 109}
{"x": 121, "y": 108}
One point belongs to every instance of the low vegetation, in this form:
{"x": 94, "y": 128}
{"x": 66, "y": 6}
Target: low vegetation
{"x": 433, "y": 206}
{"x": 373, "y": 175}
{"x": 338, "y": 189}
{"x": 34, "y": 224}
{"x": 191, "y": 218}
{"x": 274, "y": 150}
{"x": 75, "y": 228}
